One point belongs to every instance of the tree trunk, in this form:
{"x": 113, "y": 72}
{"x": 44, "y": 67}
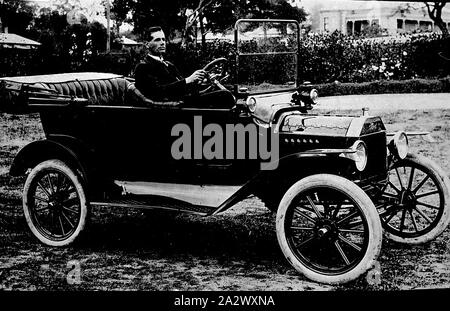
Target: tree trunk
{"x": 443, "y": 27}
{"x": 202, "y": 31}
{"x": 118, "y": 24}
{"x": 435, "y": 14}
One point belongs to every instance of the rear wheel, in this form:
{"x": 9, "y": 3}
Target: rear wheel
{"x": 328, "y": 229}
{"x": 414, "y": 203}
{"x": 54, "y": 203}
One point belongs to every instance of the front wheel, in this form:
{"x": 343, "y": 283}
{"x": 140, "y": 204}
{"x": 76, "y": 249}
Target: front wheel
{"x": 328, "y": 229}
{"x": 54, "y": 203}
{"x": 413, "y": 205}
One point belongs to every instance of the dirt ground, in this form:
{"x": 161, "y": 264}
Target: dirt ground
{"x": 238, "y": 250}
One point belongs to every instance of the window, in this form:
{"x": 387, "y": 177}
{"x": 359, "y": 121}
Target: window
{"x": 399, "y": 23}
{"x": 411, "y": 25}
{"x": 325, "y": 24}
{"x": 425, "y": 26}
{"x": 349, "y": 27}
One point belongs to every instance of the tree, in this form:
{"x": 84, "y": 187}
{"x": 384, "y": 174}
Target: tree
{"x": 17, "y": 15}
{"x": 222, "y": 15}
{"x": 177, "y": 16}
{"x": 167, "y": 14}
{"x": 120, "y": 10}
{"x": 435, "y": 13}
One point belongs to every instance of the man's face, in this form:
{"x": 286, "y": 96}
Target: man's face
{"x": 157, "y": 45}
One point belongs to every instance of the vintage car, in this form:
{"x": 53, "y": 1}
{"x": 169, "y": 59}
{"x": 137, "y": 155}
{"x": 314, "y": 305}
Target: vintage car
{"x": 335, "y": 182}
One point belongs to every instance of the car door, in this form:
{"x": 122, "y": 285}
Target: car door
{"x": 137, "y": 143}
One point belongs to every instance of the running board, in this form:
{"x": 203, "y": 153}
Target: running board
{"x": 199, "y": 195}
{"x": 157, "y": 202}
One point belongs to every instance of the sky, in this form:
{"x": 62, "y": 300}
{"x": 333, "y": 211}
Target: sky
{"x": 93, "y": 9}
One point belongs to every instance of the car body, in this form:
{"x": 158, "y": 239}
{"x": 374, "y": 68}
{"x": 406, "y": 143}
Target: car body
{"x": 108, "y": 145}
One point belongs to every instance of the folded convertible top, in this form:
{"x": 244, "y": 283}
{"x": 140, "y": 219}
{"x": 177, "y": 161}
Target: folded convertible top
{"x": 17, "y": 92}
{"x": 61, "y": 77}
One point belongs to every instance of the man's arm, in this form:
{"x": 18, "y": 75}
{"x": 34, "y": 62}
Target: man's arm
{"x": 152, "y": 86}
{"x": 194, "y": 78}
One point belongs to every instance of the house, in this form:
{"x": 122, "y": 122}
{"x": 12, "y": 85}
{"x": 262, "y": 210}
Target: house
{"x": 13, "y": 41}
{"x": 391, "y": 18}
{"x": 125, "y": 43}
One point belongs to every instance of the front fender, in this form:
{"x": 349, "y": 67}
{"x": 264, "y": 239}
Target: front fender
{"x": 307, "y": 163}
{"x": 296, "y": 166}
{"x": 326, "y": 155}
{"x": 288, "y": 170}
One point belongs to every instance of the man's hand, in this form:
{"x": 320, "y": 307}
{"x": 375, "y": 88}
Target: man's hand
{"x": 197, "y": 77}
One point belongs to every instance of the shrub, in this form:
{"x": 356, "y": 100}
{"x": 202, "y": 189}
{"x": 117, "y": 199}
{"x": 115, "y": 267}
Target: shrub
{"x": 324, "y": 58}
{"x": 384, "y": 87}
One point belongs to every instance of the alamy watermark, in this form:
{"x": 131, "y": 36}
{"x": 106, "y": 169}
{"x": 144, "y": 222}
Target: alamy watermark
{"x": 229, "y": 141}
{"x": 71, "y": 272}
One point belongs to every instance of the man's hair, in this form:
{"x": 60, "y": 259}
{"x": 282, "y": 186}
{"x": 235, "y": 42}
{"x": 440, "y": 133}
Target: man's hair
{"x": 152, "y": 30}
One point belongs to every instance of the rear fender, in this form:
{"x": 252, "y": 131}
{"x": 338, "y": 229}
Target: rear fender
{"x": 65, "y": 148}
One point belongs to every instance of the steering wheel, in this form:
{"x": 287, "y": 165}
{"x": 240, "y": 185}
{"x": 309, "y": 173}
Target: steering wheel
{"x": 216, "y": 73}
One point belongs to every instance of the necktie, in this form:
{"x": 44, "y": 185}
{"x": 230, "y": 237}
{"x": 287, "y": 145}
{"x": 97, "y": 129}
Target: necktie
{"x": 164, "y": 62}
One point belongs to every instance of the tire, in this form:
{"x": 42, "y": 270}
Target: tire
{"x": 403, "y": 216}
{"x": 54, "y": 203}
{"x": 319, "y": 243}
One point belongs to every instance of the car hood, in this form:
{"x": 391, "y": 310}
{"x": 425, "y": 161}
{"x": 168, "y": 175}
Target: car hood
{"x": 330, "y": 125}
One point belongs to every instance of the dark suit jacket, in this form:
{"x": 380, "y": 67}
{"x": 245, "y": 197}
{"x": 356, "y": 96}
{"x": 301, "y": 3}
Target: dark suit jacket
{"x": 159, "y": 81}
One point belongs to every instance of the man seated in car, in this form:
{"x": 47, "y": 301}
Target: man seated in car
{"x": 160, "y": 80}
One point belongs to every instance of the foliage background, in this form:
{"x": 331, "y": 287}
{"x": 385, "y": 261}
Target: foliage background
{"x": 324, "y": 58}
{"x": 327, "y": 58}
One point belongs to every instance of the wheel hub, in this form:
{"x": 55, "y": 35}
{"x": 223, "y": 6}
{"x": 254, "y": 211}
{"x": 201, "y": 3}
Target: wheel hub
{"x": 55, "y": 203}
{"x": 408, "y": 199}
{"x": 326, "y": 229}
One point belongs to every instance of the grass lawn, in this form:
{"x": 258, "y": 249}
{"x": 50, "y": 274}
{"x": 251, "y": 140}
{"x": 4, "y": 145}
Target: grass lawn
{"x": 130, "y": 250}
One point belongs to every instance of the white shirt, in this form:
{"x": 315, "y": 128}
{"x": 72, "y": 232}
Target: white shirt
{"x": 158, "y": 58}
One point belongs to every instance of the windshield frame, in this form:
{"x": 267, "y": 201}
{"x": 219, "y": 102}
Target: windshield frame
{"x": 239, "y": 54}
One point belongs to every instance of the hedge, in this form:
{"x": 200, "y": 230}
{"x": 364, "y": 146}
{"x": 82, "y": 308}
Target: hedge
{"x": 324, "y": 58}
{"x": 441, "y": 85}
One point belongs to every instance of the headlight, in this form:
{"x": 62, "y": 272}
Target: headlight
{"x": 360, "y": 155}
{"x": 399, "y": 145}
{"x": 251, "y": 104}
{"x": 314, "y": 95}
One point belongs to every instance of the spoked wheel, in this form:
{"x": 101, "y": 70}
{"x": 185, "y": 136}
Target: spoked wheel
{"x": 54, "y": 203}
{"x": 414, "y": 203}
{"x": 328, "y": 229}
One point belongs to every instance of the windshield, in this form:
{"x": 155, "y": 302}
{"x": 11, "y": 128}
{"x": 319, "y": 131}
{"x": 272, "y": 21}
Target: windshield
{"x": 267, "y": 52}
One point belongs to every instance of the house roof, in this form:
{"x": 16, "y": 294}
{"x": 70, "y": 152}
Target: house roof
{"x": 127, "y": 41}
{"x": 11, "y": 40}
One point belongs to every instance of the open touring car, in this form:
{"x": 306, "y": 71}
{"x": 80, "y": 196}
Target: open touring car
{"x": 336, "y": 182}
